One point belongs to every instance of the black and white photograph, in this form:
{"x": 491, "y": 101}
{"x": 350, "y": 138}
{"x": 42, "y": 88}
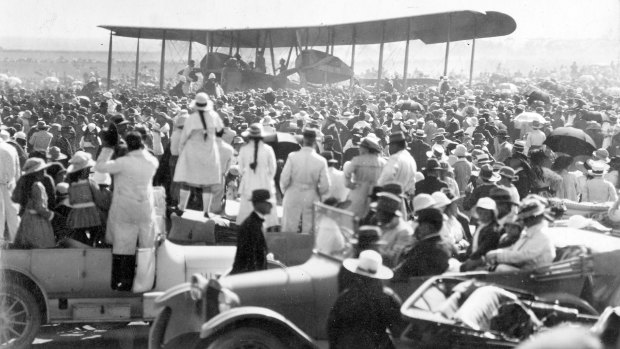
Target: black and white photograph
{"x": 310, "y": 174}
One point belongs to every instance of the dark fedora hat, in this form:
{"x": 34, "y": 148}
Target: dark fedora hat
{"x": 260, "y": 195}
{"x": 368, "y": 235}
{"x": 397, "y": 137}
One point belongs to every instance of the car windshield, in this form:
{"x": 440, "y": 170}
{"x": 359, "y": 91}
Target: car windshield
{"x": 334, "y": 230}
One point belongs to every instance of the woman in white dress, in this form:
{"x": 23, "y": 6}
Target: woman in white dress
{"x": 199, "y": 158}
{"x": 257, "y": 167}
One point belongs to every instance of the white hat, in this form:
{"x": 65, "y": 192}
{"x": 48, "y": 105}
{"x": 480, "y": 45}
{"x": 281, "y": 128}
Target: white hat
{"x": 488, "y": 204}
{"x": 91, "y": 127}
{"x": 460, "y": 150}
{"x": 419, "y": 176}
{"x": 182, "y": 78}
{"x": 211, "y": 76}
{"x": 202, "y": 102}
{"x": 107, "y": 95}
{"x": 423, "y": 201}
{"x": 20, "y": 135}
{"x": 79, "y": 161}
{"x": 369, "y": 264}
{"x": 441, "y": 200}
{"x": 599, "y": 168}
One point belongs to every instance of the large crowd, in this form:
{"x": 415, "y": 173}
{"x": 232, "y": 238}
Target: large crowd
{"x": 442, "y": 178}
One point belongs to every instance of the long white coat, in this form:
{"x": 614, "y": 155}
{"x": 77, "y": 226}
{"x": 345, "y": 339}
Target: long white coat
{"x": 199, "y": 159}
{"x": 262, "y": 178}
{"x": 303, "y": 180}
{"x": 131, "y": 216}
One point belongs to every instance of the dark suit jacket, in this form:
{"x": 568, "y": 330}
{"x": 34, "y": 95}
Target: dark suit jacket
{"x": 251, "y": 246}
{"x": 418, "y": 149}
{"x": 427, "y": 257}
{"x": 488, "y": 239}
{"x": 429, "y": 185}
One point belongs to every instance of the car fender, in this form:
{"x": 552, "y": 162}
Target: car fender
{"x": 28, "y": 279}
{"x": 185, "y": 316}
{"x": 266, "y": 318}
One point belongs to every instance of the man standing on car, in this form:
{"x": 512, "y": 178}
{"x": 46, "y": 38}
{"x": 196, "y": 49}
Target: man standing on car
{"x": 130, "y": 220}
{"x": 303, "y": 180}
{"x": 251, "y": 246}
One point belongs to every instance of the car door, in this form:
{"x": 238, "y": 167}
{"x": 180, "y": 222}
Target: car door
{"x": 59, "y": 271}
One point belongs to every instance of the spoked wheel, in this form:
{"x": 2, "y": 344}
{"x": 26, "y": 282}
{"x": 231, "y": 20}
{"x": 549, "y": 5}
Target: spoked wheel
{"x": 20, "y": 318}
{"x": 246, "y": 338}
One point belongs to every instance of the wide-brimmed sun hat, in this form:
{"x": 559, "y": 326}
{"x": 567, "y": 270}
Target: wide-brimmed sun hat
{"x": 54, "y": 154}
{"x": 369, "y": 264}
{"x": 201, "y": 102}
{"x": 254, "y": 131}
{"x": 487, "y": 173}
{"x": 488, "y": 204}
{"x": 423, "y": 201}
{"x": 80, "y": 161}
{"x": 33, "y": 165}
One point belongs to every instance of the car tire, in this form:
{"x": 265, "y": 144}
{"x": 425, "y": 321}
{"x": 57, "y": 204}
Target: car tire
{"x": 20, "y": 317}
{"x": 246, "y": 338}
{"x": 569, "y": 300}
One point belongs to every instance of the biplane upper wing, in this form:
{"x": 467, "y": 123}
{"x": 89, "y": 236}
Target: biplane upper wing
{"x": 429, "y": 27}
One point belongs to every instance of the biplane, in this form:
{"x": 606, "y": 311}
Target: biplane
{"x": 313, "y": 64}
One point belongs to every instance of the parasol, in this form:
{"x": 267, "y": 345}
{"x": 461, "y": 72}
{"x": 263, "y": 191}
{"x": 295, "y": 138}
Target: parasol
{"x": 570, "y": 140}
{"x": 525, "y": 118}
{"x": 282, "y": 143}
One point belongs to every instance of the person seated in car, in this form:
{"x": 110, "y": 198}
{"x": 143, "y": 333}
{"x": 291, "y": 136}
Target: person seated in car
{"x": 368, "y": 237}
{"x": 329, "y": 238}
{"x": 511, "y": 231}
{"x": 534, "y": 248}
{"x": 431, "y": 253}
{"x": 486, "y": 236}
{"x": 397, "y": 233}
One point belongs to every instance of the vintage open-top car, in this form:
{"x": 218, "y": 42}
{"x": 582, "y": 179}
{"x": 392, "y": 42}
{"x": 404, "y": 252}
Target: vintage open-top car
{"x": 289, "y": 307}
{"x": 72, "y": 284}
{"x": 457, "y": 312}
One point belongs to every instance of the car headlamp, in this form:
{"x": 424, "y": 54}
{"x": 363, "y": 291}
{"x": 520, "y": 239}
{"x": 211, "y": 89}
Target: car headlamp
{"x": 198, "y": 285}
{"x": 227, "y": 300}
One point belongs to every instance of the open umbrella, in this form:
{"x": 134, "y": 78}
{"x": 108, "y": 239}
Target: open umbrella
{"x": 525, "y": 118}
{"x": 283, "y": 143}
{"x": 571, "y": 141}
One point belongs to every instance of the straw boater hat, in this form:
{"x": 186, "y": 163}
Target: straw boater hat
{"x": 371, "y": 143}
{"x": 508, "y": 172}
{"x": 419, "y": 133}
{"x": 599, "y": 168}
{"x": 369, "y": 264}
{"x": 80, "y": 161}
{"x": 33, "y": 165}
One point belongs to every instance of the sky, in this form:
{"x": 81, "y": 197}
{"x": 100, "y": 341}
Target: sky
{"x": 72, "y": 24}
